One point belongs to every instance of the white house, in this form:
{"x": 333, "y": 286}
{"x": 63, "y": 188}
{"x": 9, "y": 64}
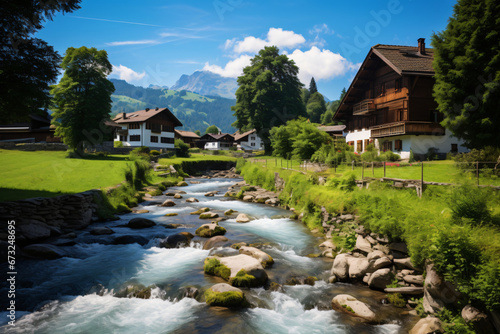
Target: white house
{"x": 215, "y": 142}
{"x": 248, "y": 141}
{"x": 153, "y": 128}
{"x": 390, "y": 104}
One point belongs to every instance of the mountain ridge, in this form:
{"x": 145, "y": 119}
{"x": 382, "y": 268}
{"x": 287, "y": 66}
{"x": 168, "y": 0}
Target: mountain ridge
{"x": 208, "y": 84}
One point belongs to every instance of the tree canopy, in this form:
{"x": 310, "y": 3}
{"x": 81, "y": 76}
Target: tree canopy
{"x": 467, "y": 72}
{"x": 269, "y": 93}
{"x": 82, "y": 99}
{"x": 213, "y": 129}
{"x": 316, "y": 107}
{"x": 28, "y": 65}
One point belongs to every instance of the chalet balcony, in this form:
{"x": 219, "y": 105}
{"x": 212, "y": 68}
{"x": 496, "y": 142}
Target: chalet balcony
{"x": 364, "y": 107}
{"x": 407, "y": 128}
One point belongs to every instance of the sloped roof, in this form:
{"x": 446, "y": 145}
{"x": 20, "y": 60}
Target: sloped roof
{"x": 332, "y": 128}
{"x": 238, "y": 136}
{"x": 187, "y": 134}
{"x": 216, "y": 137}
{"x": 144, "y": 115}
{"x": 405, "y": 58}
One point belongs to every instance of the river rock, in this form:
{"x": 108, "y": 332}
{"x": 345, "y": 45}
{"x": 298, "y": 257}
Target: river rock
{"x": 380, "y": 263}
{"x": 140, "y": 211}
{"x": 358, "y": 267}
{"x": 213, "y": 241}
{"x": 177, "y": 196}
{"x": 406, "y": 290}
{"x": 247, "y": 263}
{"x": 182, "y": 184}
{"x": 414, "y": 279}
{"x": 437, "y": 291}
{"x": 265, "y": 259}
{"x": 229, "y": 212}
{"x": 404, "y": 263}
{"x": 192, "y": 200}
{"x": 101, "y": 231}
{"x": 200, "y": 211}
{"x": 34, "y": 230}
{"x": 340, "y": 267}
{"x": 208, "y": 215}
{"x": 427, "y": 325}
{"x": 363, "y": 245}
{"x": 399, "y": 247}
{"x": 376, "y": 254}
{"x": 328, "y": 245}
{"x": 210, "y": 230}
{"x": 138, "y": 223}
{"x": 211, "y": 193}
{"x": 242, "y": 218}
{"x": 225, "y": 295}
{"x": 248, "y": 198}
{"x": 380, "y": 279}
{"x": 177, "y": 240}
{"x": 43, "y": 251}
{"x": 168, "y": 203}
{"x": 130, "y": 239}
{"x": 470, "y": 313}
{"x": 350, "y": 305}
{"x": 169, "y": 193}
{"x": 182, "y": 192}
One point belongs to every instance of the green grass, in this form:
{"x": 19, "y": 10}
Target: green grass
{"x": 48, "y": 174}
{"x": 195, "y": 157}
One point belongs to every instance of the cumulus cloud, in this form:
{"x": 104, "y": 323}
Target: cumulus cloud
{"x": 233, "y": 69}
{"x": 320, "y": 64}
{"x": 275, "y": 36}
{"x": 127, "y": 74}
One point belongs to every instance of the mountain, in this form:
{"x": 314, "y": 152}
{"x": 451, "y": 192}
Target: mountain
{"x": 195, "y": 111}
{"x": 208, "y": 84}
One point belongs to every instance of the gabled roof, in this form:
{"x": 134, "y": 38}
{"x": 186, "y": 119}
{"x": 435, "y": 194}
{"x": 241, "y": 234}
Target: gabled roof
{"x": 404, "y": 60}
{"x": 187, "y": 134}
{"x": 215, "y": 137}
{"x": 238, "y": 136}
{"x": 332, "y": 128}
{"x": 144, "y": 115}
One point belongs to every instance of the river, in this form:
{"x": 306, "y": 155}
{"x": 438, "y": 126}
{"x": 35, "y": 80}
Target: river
{"x": 76, "y": 294}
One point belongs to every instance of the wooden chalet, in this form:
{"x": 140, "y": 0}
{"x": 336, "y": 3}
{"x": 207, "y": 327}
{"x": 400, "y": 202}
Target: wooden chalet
{"x": 221, "y": 141}
{"x": 37, "y": 129}
{"x": 248, "y": 141}
{"x": 187, "y": 136}
{"x": 390, "y": 104}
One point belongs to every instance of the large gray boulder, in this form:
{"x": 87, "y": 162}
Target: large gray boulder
{"x": 214, "y": 241}
{"x": 427, "y": 325}
{"x": 168, "y": 203}
{"x": 358, "y": 267}
{"x": 265, "y": 259}
{"x": 363, "y": 245}
{"x": 101, "y": 231}
{"x": 350, "y": 305}
{"x": 242, "y": 218}
{"x": 250, "y": 265}
{"x": 225, "y": 295}
{"x": 340, "y": 267}
{"x": 138, "y": 223}
{"x": 33, "y": 230}
{"x": 181, "y": 239}
{"x": 437, "y": 292}
{"x": 380, "y": 279}
{"x": 43, "y": 251}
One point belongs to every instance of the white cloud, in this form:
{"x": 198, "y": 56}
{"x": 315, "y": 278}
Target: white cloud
{"x": 275, "y": 36}
{"x": 321, "y": 29}
{"x": 320, "y": 64}
{"x": 127, "y": 74}
{"x": 233, "y": 69}
{"x": 145, "y": 41}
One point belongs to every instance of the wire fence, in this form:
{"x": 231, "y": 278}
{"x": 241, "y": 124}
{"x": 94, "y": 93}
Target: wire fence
{"x": 447, "y": 172}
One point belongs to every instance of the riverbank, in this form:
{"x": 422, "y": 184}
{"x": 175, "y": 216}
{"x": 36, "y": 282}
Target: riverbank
{"x": 467, "y": 256}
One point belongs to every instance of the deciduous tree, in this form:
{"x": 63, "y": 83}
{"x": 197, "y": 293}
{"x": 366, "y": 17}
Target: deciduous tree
{"x": 82, "y": 99}
{"x": 212, "y": 129}
{"x": 467, "y": 67}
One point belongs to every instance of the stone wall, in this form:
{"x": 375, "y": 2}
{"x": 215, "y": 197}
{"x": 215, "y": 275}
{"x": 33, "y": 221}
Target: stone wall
{"x": 40, "y": 218}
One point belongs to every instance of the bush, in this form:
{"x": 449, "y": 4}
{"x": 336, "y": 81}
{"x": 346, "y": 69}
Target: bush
{"x": 154, "y": 152}
{"x": 181, "y": 148}
{"x": 117, "y": 144}
{"x": 141, "y": 175}
{"x": 389, "y": 156}
{"x": 468, "y": 160}
{"x": 469, "y": 202}
{"x": 194, "y": 150}
{"x": 346, "y": 182}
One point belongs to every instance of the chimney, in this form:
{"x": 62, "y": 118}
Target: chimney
{"x": 124, "y": 115}
{"x": 421, "y": 46}
{"x": 147, "y": 109}
{"x": 156, "y": 108}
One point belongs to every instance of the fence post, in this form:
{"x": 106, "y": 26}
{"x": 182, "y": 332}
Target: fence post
{"x": 384, "y": 168}
{"x": 477, "y": 172}
{"x": 422, "y": 180}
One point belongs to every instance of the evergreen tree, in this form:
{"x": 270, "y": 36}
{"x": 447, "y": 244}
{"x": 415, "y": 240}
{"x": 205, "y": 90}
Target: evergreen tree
{"x": 82, "y": 99}
{"x": 269, "y": 93}
{"x": 312, "y": 87}
{"x": 467, "y": 72}
{"x": 316, "y": 107}
{"x": 28, "y": 65}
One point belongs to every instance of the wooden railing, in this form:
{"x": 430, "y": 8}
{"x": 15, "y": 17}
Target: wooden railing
{"x": 402, "y": 128}
{"x": 363, "y": 107}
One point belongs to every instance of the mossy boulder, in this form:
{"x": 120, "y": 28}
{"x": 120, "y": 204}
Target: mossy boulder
{"x": 177, "y": 196}
{"x": 225, "y": 295}
{"x": 238, "y": 245}
{"x": 139, "y": 223}
{"x": 208, "y": 215}
{"x": 213, "y": 241}
{"x": 177, "y": 240}
{"x": 243, "y": 280}
{"x": 229, "y": 212}
{"x": 210, "y": 230}
{"x": 168, "y": 203}
{"x": 350, "y": 305}
{"x": 212, "y": 266}
{"x": 135, "y": 291}
{"x": 200, "y": 211}
{"x": 172, "y": 214}
{"x": 182, "y": 184}
{"x": 265, "y": 259}
{"x": 250, "y": 265}
{"x": 192, "y": 200}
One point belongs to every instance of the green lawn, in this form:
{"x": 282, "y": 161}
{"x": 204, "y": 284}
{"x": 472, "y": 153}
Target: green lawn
{"x": 48, "y": 174}
{"x": 195, "y": 157}
{"x": 434, "y": 171}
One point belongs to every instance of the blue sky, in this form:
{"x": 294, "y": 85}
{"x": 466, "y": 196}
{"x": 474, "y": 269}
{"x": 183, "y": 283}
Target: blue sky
{"x": 155, "y": 42}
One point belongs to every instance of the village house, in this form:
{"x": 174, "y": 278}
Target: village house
{"x": 390, "y": 104}
{"x": 248, "y": 141}
{"x": 215, "y": 142}
{"x": 153, "y": 128}
{"x": 36, "y": 129}
{"x": 187, "y": 136}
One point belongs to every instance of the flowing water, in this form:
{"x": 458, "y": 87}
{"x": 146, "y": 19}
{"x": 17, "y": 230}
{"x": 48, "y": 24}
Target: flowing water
{"x": 77, "y": 293}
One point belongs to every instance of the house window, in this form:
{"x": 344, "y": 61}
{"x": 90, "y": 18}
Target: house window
{"x": 350, "y": 143}
{"x": 382, "y": 88}
{"x": 252, "y": 138}
{"x": 398, "y": 145}
{"x": 166, "y": 140}
{"x": 454, "y": 148}
{"x": 252, "y": 144}
{"x": 359, "y": 147}
{"x": 154, "y": 139}
{"x": 135, "y": 138}
{"x": 134, "y": 126}
{"x": 367, "y": 142}
{"x": 167, "y": 128}
{"x": 123, "y": 138}
{"x": 387, "y": 145}
{"x": 398, "y": 85}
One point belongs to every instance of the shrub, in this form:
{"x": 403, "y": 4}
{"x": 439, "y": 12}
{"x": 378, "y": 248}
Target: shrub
{"x": 194, "y": 150}
{"x": 181, "y": 148}
{"x": 469, "y": 202}
{"x": 129, "y": 175}
{"x": 154, "y": 152}
{"x": 346, "y": 182}
{"x": 389, "y": 156}
{"x": 412, "y": 157}
{"x": 396, "y": 299}
{"x": 117, "y": 144}
{"x": 142, "y": 169}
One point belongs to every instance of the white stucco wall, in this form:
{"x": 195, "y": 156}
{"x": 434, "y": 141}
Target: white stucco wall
{"x": 358, "y": 135}
{"x": 146, "y": 138}
{"x": 252, "y": 139}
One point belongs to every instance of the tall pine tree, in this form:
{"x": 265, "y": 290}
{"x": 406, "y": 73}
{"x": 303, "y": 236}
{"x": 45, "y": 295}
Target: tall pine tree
{"x": 467, "y": 66}
{"x": 312, "y": 87}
